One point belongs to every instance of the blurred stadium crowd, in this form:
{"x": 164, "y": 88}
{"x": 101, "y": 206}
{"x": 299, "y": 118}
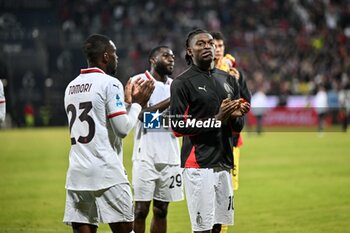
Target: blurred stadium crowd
{"x": 288, "y": 46}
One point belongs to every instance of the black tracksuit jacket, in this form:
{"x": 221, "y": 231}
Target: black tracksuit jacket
{"x": 198, "y": 94}
{"x": 245, "y": 94}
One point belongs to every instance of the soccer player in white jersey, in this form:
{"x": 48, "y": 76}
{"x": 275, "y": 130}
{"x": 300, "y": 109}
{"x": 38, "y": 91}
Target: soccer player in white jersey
{"x": 156, "y": 172}
{"x": 97, "y": 186}
{"x": 2, "y": 103}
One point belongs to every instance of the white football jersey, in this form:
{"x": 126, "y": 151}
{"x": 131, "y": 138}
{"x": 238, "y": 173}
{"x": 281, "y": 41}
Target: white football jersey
{"x": 90, "y": 99}
{"x": 158, "y": 146}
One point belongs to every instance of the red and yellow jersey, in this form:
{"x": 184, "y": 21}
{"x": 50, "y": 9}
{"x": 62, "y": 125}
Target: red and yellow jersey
{"x": 226, "y": 63}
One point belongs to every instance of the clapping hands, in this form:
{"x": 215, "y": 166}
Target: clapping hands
{"x": 232, "y": 108}
{"x": 138, "y": 91}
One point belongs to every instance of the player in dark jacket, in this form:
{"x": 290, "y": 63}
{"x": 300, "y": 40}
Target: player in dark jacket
{"x": 206, "y": 109}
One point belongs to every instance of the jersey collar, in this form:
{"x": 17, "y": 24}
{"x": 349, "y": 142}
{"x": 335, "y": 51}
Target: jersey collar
{"x": 196, "y": 68}
{"x": 91, "y": 70}
{"x": 150, "y": 77}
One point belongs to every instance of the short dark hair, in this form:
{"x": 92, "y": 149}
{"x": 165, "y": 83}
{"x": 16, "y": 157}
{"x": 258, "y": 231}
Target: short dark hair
{"x": 94, "y": 46}
{"x": 155, "y": 50}
{"x": 217, "y": 36}
{"x": 188, "y": 41}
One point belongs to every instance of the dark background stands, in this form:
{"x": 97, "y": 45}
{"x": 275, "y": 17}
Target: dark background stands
{"x": 296, "y": 44}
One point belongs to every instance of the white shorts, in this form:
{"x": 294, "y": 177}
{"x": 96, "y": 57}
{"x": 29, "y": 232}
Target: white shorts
{"x": 110, "y": 205}
{"x": 161, "y": 182}
{"x": 209, "y": 197}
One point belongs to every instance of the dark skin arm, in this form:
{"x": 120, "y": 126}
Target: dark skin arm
{"x": 226, "y": 109}
{"x": 161, "y": 106}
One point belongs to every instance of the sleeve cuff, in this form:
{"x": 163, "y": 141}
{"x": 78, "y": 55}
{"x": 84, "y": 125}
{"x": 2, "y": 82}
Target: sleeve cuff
{"x": 136, "y": 106}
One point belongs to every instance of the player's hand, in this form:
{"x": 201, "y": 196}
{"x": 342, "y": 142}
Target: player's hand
{"x": 244, "y": 107}
{"x": 128, "y": 92}
{"x": 142, "y": 91}
{"x": 227, "y": 107}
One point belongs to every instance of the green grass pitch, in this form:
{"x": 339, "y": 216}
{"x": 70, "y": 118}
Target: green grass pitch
{"x": 289, "y": 182}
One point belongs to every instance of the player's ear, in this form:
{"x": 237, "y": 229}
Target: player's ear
{"x": 189, "y": 52}
{"x": 105, "y": 57}
{"x": 152, "y": 60}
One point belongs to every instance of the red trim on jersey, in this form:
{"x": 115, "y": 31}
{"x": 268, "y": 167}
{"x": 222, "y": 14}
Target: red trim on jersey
{"x": 91, "y": 70}
{"x": 148, "y": 75}
{"x": 186, "y": 112}
{"x": 2, "y": 101}
{"x": 176, "y": 134}
{"x": 240, "y": 141}
{"x": 116, "y": 114}
{"x": 191, "y": 161}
